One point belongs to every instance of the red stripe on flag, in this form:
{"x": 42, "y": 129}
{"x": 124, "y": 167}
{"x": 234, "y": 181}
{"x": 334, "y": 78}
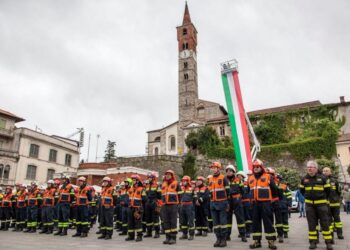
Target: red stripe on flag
{"x": 242, "y": 116}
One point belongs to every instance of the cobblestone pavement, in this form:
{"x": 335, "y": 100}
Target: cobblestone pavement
{"x": 297, "y": 240}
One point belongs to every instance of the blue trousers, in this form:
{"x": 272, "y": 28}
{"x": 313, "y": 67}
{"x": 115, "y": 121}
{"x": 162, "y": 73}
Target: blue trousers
{"x": 63, "y": 215}
{"x": 32, "y": 216}
{"x": 187, "y": 219}
{"x": 47, "y": 216}
{"x": 219, "y": 215}
{"x": 83, "y": 219}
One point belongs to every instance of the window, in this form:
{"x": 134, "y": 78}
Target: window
{"x": 53, "y": 155}
{"x": 68, "y": 160}
{"x": 186, "y": 76}
{"x": 6, "y": 172}
{"x": 185, "y": 65}
{"x": 31, "y": 172}
{"x": 156, "y": 151}
{"x": 50, "y": 173}
{"x": 222, "y": 130}
{"x": 172, "y": 143}
{"x": 2, "y": 123}
{"x": 184, "y": 32}
{"x": 34, "y": 150}
{"x": 200, "y": 112}
{"x": 185, "y": 46}
{"x": 157, "y": 139}
{"x": 1, "y": 170}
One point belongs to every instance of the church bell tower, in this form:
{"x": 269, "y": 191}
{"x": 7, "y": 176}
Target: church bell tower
{"x": 188, "y": 85}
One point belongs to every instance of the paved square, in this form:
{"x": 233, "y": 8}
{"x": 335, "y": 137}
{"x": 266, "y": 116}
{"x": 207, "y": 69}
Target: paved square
{"x": 297, "y": 240}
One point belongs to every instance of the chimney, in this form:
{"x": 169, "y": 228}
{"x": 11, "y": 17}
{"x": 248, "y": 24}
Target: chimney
{"x": 342, "y": 99}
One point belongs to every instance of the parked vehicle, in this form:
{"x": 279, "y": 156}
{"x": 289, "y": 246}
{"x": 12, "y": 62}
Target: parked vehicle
{"x": 295, "y": 204}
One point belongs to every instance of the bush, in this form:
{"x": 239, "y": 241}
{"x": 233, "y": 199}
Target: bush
{"x": 189, "y": 166}
{"x": 300, "y": 150}
{"x": 292, "y": 176}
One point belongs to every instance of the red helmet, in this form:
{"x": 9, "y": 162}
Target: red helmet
{"x": 186, "y": 178}
{"x": 136, "y": 177}
{"x": 216, "y": 164}
{"x": 170, "y": 172}
{"x": 200, "y": 178}
{"x": 152, "y": 175}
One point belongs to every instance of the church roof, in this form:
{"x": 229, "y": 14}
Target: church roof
{"x": 187, "y": 17}
{"x": 214, "y": 103}
{"x": 158, "y": 130}
{"x": 286, "y": 108}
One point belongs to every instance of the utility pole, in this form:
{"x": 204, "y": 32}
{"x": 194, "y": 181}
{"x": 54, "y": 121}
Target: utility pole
{"x": 98, "y": 137}
{"x": 88, "y": 152}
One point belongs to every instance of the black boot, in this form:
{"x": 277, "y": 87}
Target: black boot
{"x": 199, "y": 233}
{"x": 243, "y": 238}
{"x": 172, "y": 240}
{"x": 58, "y": 232}
{"x": 223, "y": 243}
{"x": 255, "y": 244}
{"x": 131, "y": 236}
{"x": 313, "y": 245}
{"x": 108, "y": 237}
{"x": 272, "y": 244}
{"x": 33, "y": 230}
{"x": 285, "y": 235}
{"x": 340, "y": 233}
{"x": 83, "y": 235}
{"x": 102, "y": 236}
{"x": 217, "y": 242}
{"x": 44, "y": 230}
{"x": 64, "y": 232}
{"x": 139, "y": 237}
{"x": 280, "y": 239}
{"x": 167, "y": 239}
{"x": 191, "y": 237}
{"x": 123, "y": 233}
{"x": 183, "y": 237}
{"x": 329, "y": 245}
{"x": 49, "y": 230}
{"x": 149, "y": 233}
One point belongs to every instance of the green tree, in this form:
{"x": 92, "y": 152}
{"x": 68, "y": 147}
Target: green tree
{"x": 192, "y": 140}
{"x": 110, "y": 151}
{"x": 189, "y": 166}
{"x": 292, "y": 176}
{"x": 271, "y": 131}
{"x": 207, "y": 139}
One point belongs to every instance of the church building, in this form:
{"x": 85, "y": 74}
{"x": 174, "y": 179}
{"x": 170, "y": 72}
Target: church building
{"x": 193, "y": 112}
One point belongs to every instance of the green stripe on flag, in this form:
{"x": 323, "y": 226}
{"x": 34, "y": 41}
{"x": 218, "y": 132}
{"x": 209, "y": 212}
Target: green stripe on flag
{"x": 233, "y": 126}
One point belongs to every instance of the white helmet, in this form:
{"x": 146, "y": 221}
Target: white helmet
{"x": 242, "y": 174}
{"x": 50, "y": 182}
{"x": 230, "y": 167}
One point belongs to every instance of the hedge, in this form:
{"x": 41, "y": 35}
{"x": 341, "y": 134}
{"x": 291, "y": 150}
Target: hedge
{"x": 300, "y": 150}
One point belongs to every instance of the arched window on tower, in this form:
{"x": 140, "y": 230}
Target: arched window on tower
{"x": 185, "y": 46}
{"x": 172, "y": 143}
{"x": 186, "y": 76}
{"x": 184, "y": 32}
{"x": 156, "y": 151}
{"x": 185, "y": 65}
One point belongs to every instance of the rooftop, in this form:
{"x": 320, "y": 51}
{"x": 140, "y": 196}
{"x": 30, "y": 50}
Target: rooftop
{"x": 10, "y": 115}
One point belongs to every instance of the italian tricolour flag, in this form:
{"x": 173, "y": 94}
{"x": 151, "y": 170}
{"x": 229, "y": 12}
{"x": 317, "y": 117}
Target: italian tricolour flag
{"x": 237, "y": 119}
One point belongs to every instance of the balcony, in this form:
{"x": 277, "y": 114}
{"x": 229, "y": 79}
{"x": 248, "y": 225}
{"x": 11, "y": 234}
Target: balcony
{"x": 6, "y": 133}
{"x": 9, "y": 153}
{"x": 6, "y": 182}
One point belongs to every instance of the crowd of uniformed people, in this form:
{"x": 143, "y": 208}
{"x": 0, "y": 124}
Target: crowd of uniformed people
{"x": 137, "y": 209}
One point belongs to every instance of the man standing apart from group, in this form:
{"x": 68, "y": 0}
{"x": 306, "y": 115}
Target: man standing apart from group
{"x": 316, "y": 188}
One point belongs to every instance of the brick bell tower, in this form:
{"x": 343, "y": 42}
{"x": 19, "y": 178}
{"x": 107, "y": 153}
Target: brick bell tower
{"x": 188, "y": 85}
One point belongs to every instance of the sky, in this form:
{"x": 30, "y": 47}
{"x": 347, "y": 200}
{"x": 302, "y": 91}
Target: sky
{"x": 111, "y": 66}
